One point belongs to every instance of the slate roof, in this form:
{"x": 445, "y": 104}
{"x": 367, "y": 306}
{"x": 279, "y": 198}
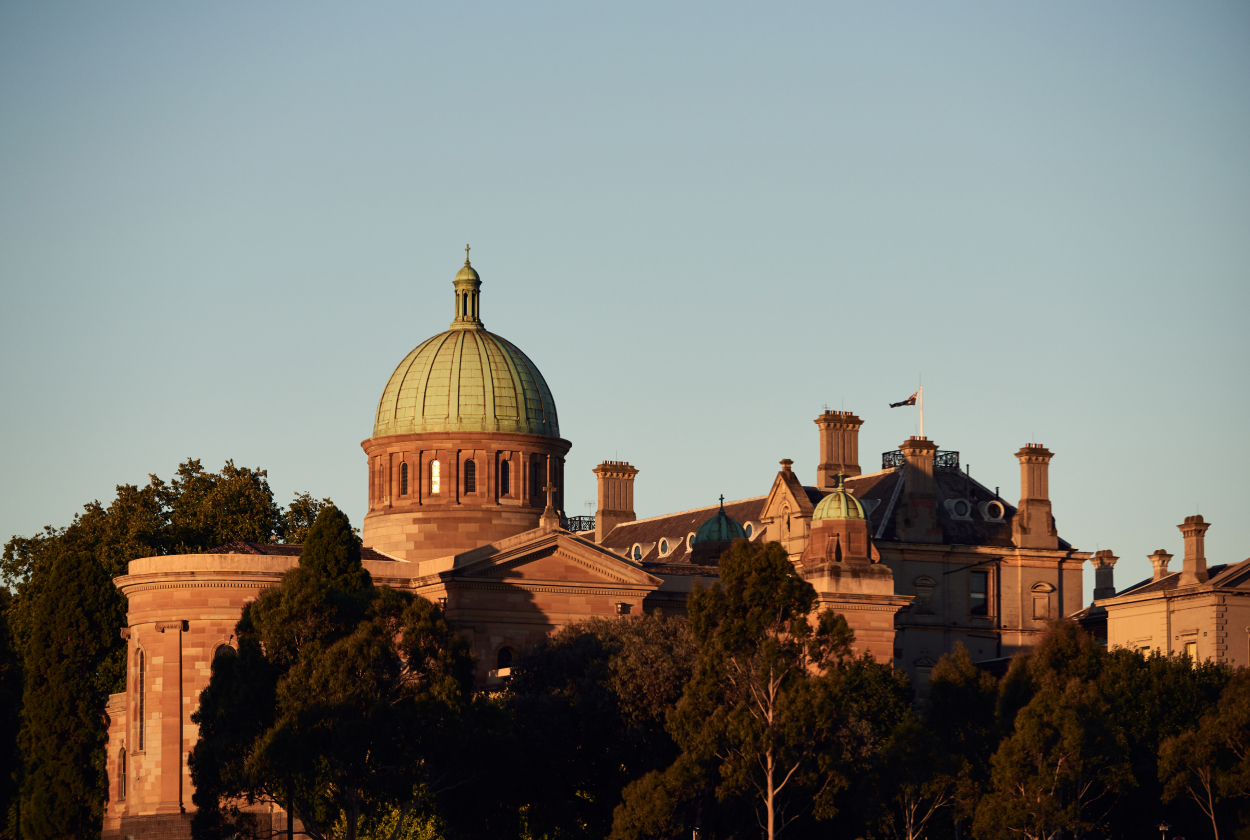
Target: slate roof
{"x": 1231, "y": 575}
{"x": 675, "y": 527}
{"x": 283, "y": 550}
{"x": 880, "y": 494}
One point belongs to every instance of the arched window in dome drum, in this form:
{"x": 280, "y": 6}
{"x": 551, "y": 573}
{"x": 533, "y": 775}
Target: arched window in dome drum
{"x": 403, "y": 478}
{"x": 434, "y": 476}
{"x": 504, "y": 659}
{"x": 534, "y": 481}
{"x": 504, "y": 483}
{"x": 470, "y": 476}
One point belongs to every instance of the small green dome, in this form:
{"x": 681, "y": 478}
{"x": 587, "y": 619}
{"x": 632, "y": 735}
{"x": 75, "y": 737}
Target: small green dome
{"x": 720, "y": 528}
{"x": 466, "y": 380}
{"x": 839, "y": 504}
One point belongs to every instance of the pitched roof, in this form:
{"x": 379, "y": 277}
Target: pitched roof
{"x": 1224, "y": 575}
{"x": 880, "y": 492}
{"x": 676, "y": 527}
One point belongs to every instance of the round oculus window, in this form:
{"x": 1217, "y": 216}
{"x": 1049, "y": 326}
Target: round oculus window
{"x": 749, "y": 530}
{"x": 664, "y": 546}
{"x": 961, "y": 507}
{"x": 995, "y": 510}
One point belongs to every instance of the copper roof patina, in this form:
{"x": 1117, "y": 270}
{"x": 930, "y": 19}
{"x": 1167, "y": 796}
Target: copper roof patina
{"x": 466, "y": 380}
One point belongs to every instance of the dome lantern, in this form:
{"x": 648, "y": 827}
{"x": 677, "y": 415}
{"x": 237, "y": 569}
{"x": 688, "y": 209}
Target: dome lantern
{"x": 468, "y": 297}
{"x": 466, "y": 380}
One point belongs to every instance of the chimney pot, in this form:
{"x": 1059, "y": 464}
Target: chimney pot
{"x": 1159, "y": 562}
{"x": 1033, "y": 526}
{"x": 616, "y": 496}
{"x": 1104, "y": 570}
{"x": 1194, "y": 572}
{"x": 839, "y": 447}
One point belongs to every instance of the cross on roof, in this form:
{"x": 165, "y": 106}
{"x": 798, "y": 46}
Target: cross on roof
{"x": 466, "y": 254}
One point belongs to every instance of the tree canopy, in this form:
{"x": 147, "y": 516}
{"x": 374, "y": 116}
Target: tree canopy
{"x": 343, "y": 702}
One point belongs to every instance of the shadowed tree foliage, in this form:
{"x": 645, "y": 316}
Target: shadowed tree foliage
{"x": 961, "y": 713}
{"x": 67, "y": 681}
{"x": 196, "y": 511}
{"x": 1210, "y": 764}
{"x": 758, "y": 724}
{"x": 587, "y": 710}
{"x": 10, "y": 722}
{"x": 344, "y": 701}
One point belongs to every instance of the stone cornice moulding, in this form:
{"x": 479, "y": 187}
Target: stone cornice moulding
{"x": 545, "y": 586}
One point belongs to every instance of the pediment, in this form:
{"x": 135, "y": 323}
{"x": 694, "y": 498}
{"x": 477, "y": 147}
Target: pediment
{"x": 558, "y": 558}
{"x": 786, "y": 492}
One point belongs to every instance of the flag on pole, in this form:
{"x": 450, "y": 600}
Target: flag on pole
{"x": 909, "y": 401}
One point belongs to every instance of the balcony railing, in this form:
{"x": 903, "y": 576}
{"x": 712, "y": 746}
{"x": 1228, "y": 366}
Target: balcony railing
{"x": 945, "y": 459}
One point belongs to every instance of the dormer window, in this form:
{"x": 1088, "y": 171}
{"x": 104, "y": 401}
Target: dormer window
{"x": 663, "y": 546}
{"x": 749, "y": 529}
{"x": 637, "y": 552}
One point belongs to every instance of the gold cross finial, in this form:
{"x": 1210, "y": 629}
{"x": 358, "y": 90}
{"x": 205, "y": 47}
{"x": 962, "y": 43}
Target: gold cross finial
{"x": 466, "y": 254}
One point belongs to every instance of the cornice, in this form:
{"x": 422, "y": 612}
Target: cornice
{"x": 543, "y": 586}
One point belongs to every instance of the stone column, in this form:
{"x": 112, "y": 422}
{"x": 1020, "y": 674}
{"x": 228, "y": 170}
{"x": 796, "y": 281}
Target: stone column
{"x": 169, "y": 701}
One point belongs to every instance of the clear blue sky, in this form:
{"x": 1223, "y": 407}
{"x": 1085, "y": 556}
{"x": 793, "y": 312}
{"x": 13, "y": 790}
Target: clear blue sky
{"x": 223, "y": 224}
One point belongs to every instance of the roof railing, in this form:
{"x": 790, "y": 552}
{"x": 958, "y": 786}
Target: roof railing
{"x": 945, "y": 459}
{"x": 579, "y": 523}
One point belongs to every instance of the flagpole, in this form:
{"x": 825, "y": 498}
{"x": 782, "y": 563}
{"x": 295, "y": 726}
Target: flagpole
{"x": 920, "y": 403}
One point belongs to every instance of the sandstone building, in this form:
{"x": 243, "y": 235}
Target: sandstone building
{"x": 466, "y": 487}
{"x": 1200, "y": 611}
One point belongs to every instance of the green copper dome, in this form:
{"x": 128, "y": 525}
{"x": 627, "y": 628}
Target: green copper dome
{"x": 720, "y": 528}
{"x": 466, "y": 380}
{"x": 839, "y": 504}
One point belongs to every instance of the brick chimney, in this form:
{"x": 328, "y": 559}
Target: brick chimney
{"x": 917, "y": 516}
{"x": 616, "y": 496}
{"x": 1033, "y": 525}
{"x": 1194, "y": 571}
{"x": 839, "y": 447}
{"x": 1104, "y": 574}
{"x": 1159, "y": 561}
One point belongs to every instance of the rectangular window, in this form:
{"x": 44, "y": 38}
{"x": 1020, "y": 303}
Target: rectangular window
{"x": 979, "y": 594}
{"x": 1191, "y": 650}
{"x": 1041, "y": 607}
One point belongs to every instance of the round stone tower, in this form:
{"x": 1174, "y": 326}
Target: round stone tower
{"x": 465, "y": 442}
